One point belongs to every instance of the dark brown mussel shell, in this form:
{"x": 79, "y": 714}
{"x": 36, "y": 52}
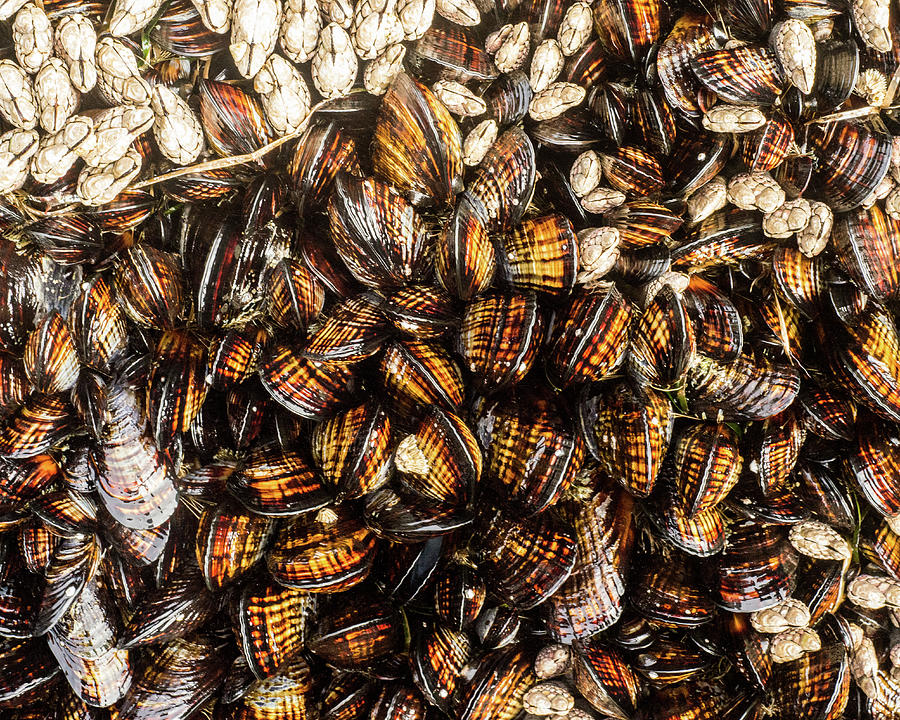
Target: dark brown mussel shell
{"x": 670, "y": 594}
{"x": 852, "y": 162}
{"x": 746, "y": 75}
{"x": 271, "y": 481}
{"x": 800, "y": 279}
{"x": 539, "y": 255}
{"x": 864, "y": 358}
{"x": 496, "y": 689}
{"x": 507, "y": 98}
{"x": 21, "y": 290}
{"x": 499, "y": 339}
{"x": 176, "y": 384}
{"x": 64, "y": 511}
{"x": 828, "y": 414}
{"x": 74, "y": 562}
{"x": 741, "y": 390}
{"x": 175, "y": 682}
{"x": 404, "y": 516}
{"x": 416, "y": 374}
{"x": 233, "y": 121}
{"x": 756, "y": 570}
{"x": 592, "y": 598}
{"x": 417, "y": 144}
{"x": 321, "y": 153}
{"x": 352, "y": 331}
{"x": 246, "y": 407}
{"x": 633, "y": 170}
{"x": 573, "y": 132}
{"x": 41, "y": 422}
{"x": 642, "y": 224}
{"x": 815, "y": 686}
{"x": 725, "y": 238}
{"x": 173, "y": 610}
{"x": 407, "y": 569}
{"x": 27, "y": 479}
{"x": 605, "y": 680}
{"x": 826, "y": 495}
{"x": 398, "y": 700}
{"x": 589, "y": 339}
{"x": 377, "y": 233}
{"x": 627, "y": 29}
{"x": 270, "y": 623}
{"x": 229, "y": 542}
{"x": 357, "y": 629}
{"x": 68, "y": 239}
{"x": 717, "y": 324}
{"x": 235, "y": 357}
{"x": 437, "y": 661}
{"x": 19, "y": 598}
{"x": 347, "y": 697}
{"x": 149, "y": 284}
{"x": 450, "y": 51}
{"x": 459, "y": 594}
{"x": 641, "y": 423}
{"x": 610, "y": 106}
{"x": 654, "y": 121}
{"x": 502, "y": 185}
{"x": 706, "y": 466}
{"x": 465, "y": 260}
{"x": 97, "y": 324}
{"x": 531, "y": 457}
{"x": 701, "y": 534}
{"x": 837, "y": 69}
{"x": 873, "y": 465}
{"x": 525, "y": 562}
{"x": 312, "y": 390}
{"x": 696, "y": 160}
{"x": 202, "y": 185}
{"x": 691, "y": 35}
{"x": 497, "y": 626}
{"x": 51, "y": 362}
{"x": 441, "y": 461}
{"x": 287, "y": 696}
{"x": 352, "y": 450}
{"x": 543, "y": 16}
{"x": 137, "y": 486}
{"x": 775, "y": 448}
{"x": 422, "y": 311}
{"x": 295, "y": 295}
{"x": 765, "y": 148}
{"x": 181, "y": 31}
{"x": 328, "y": 553}
{"x": 662, "y": 344}
{"x": 14, "y": 384}
{"x": 867, "y": 244}
{"x": 588, "y": 66}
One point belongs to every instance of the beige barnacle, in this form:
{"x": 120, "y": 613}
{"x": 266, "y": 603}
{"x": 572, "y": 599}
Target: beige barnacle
{"x": 16, "y": 149}
{"x": 789, "y": 613}
{"x": 254, "y": 32}
{"x": 598, "y": 251}
{"x": 509, "y": 45}
{"x": 177, "y": 128}
{"x": 795, "y": 48}
{"x": 416, "y": 17}
{"x": 555, "y": 99}
{"x": 817, "y": 540}
{"x": 586, "y": 173}
{"x": 375, "y": 27}
{"x": 17, "y": 103}
{"x": 723, "y": 118}
{"x": 546, "y": 64}
{"x": 300, "y": 28}
{"x": 548, "y": 698}
{"x": 334, "y": 64}
{"x": 792, "y": 217}
{"x": 59, "y": 152}
{"x": 872, "y": 20}
{"x": 602, "y": 199}
{"x": 793, "y": 644}
{"x": 460, "y": 12}
{"x": 129, "y": 16}
{"x": 380, "y": 73}
{"x": 812, "y": 239}
{"x": 118, "y": 77}
{"x": 76, "y": 45}
{"x": 56, "y": 98}
{"x": 283, "y": 94}
{"x": 707, "y": 199}
{"x": 458, "y": 98}
{"x": 755, "y": 191}
{"x": 552, "y": 661}
{"x": 479, "y": 141}
{"x": 100, "y": 185}
{"x": 215, "y": 14}
{"x": 115, "y": 129}
{"x": 575, "y": 28}
{"x": 32, "y": 38}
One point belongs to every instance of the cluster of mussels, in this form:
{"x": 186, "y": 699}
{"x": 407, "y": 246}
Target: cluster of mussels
{"x": 546, "y": 365}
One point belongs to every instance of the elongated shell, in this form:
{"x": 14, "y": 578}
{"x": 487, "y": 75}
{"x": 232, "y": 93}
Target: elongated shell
{"x": 254, "y": 32}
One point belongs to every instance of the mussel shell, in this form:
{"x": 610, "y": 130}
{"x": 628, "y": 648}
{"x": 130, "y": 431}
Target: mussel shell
{"x": 465, "y": 260}
{"x": 765, "y": 148}
{"x": 707, "y": 464}
{"x": 150, "y": 285}
{"x": 450, "y": 51}
{"x": 627, "y": 29}
{"x": 416, "y": 374}
{"x": 867, "y": 244}
{"x": 352, "y": 331}
{"x": 323, "y": 151}
{"x": 837, "y": 68}
{"x": 776, "y": 448}
{"x": 405, "y": 517}
{"x": 747, "y": 75}
{"x": 51, "y": 362}
{"x": 828, "y": 414}
{"x": 756, "y": 570}
{"x": 229, "y": 542}
{"x": 696, "y": 160}
{"x": 295, "y": 294}
{"x": 422, "y": 311}
{"x": 662, "y": 344}
{"x": 233, "y": 120}
{"x": 634, "y": 171}
{"x": 605, "y": 680}
{"x": 507, "y": 98}
{"x": 800, "y": 279}
{"x": 287, "y": 695}
{"x": 68, "y": 239}
{"x": 274, "y": 482}
{"x": 235, "y": 357}
{"x": 540, "y": 255}
{"x": 816, "y": 685}
{"x": 459, "y": 594}
{"x": 437, "y": 661}
{"x": 14, "y": 385}
{"x": 718, "y": 327}
{"x": 872, "y": 464}
{"x": 701, "y": 535}
{"x": 672, "y": 596}
{"x": 309, "y": 389}
{"x": 691, "y": 35}
{"x": 181, "y": 31}
{"x": 496, "y": 689}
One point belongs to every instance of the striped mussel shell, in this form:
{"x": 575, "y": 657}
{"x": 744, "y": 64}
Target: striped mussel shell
{"x": 633, "y": 170}
{"x": 701, "y": 534}
{"x": 465, "y": 260}
{"x": 670, "y": 594}
{"x": 178, "y": 679}
{"x": 540, "y": 255}
{"x": 628, "y": 430}
{"x": 73, "y": 564}
{"x": 863, "y": 359}
{"x": 662, "y": 346}
{"x": 355, "y": 630}
{"x": 696, "y": 160}
{"x": 740, "y": 390}
{"x": 871, "y": 466}
{"x": 377, "y": 233}
{"x": 531, "y": 457}
{"x": 354, "y": 330}
{"x": 852, "y": 162}
{"x": 234, "y": 357}
{"x": 641, "y": 223}
{"x": 756, "y": 569}
{"x": 827, "y": 414}
{"x": 691, "y": 35}
{"x": 670, "y": 660}
{"x": 765, "y": 148}
{"x": 747, "y": 75}
{"x": 450, "y": 51}
{"x": 725, "y": 238}
{"x": 800, "y": 279}
{"x": 149, "y": 284}
{"x": 507, "y": 98}
{"x": 459, "y": 595}
{"x": 416, "y": 374}
{"x": 654, "y": 120}
{"x": 14, "y": 383}
{"x": 497, "y": 686}
{"x": 503, "y": 183}
{"x": 97, "y": 323}
{"x": 173, "y": 610}
{"x": 628, "y": 29}
{"x": 593, "y": 597}
{"x": 270, "y": 622}
{"x": 295, "y": 295}
{"x": 68, "y": 239}
{"x": 707, "y": 464}
{"x": 867, "y": 244}
{"x": 181, "y": 31}
{"x": 347, "y": 696}
{"x": 588, "y": 66}
{"x": 417, "y": 145}
{"x": 176, "y": 386}
{"x": 233, "y": 120}
{"x": 201, "y": 185}
{"x": 525, "y": 562}
{"x": 421, "y": 311}
{"x": 879, "y": 544}
{"x": 271, "y": 481}
{"x": 312, "y": 390}
{"x": 605, "y": 679}
{"x": 497, "y": 626}
{"x": 817, "y": 684}
{"x": 64, "y": 511}
{"x": 775, "y": 448}
{"x": 407, "y": 570}
{"x": 590, "y": 336}
{"x": 27, "y": 479}
{"x": 837, "y": 70}
{"x": 229, "y": 542}
{"x": 31, "y": 672}
{"x": 437, "y": 660}
{"x": 499, "y": 338}
{"x": 287, "y": 695}
{"x": 718, "y": 328}
{"x": 820, "y": 586}
{"x": 20, "y": 597}
{"x": 51, "y": 361}
{"x": 352, "y": 450}
{"x": 441, "y": 461}
{"x": 328, "y": 553}
{"x": 398, "y": 699}
{"x": 399, "y": 514}
{"x": 41, "y": 422}
{"x": 323, "y": 151}
{"x": 21, "y": 291}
